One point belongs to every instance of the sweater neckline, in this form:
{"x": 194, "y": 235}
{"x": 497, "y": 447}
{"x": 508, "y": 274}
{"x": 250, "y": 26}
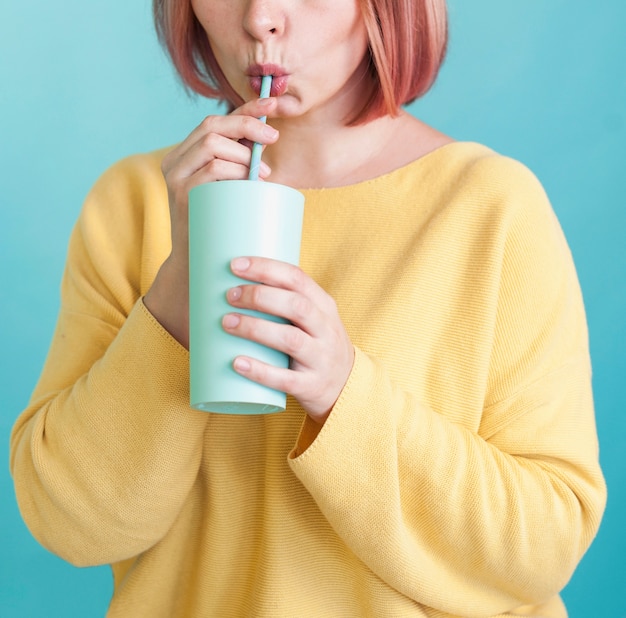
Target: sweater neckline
{"x": 450, "y": 150}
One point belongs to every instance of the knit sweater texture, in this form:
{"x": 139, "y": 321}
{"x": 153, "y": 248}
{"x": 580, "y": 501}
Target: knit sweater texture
{"x": 457, "y": 474}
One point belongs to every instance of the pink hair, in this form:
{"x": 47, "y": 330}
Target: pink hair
{"x": 407, "y": 44}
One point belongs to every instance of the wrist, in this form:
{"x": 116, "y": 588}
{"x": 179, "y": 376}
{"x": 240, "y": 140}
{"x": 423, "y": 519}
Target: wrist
{"x": 308, "y": 433}
{"x": 168, "y": 301}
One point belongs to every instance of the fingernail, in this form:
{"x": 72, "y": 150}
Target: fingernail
{"x": 231, "y": 320}
{"x": 234, "y": 294}
{"x": 240, "y": 264}
{"x": 265, "y": 101}
{"x": 241, "y": 364}
{"x": 264, "y": 169}
{"x": 269, "y": 132}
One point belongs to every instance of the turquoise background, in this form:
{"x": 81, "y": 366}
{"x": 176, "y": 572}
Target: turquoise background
{"x": 83, "y": 84}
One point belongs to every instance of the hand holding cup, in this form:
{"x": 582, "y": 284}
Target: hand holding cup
{"x": 312, "y": 334}
{"x": 215, "y": 150}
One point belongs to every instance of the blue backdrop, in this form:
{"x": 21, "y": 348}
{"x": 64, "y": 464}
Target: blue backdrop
{"x": 83, "y": 84}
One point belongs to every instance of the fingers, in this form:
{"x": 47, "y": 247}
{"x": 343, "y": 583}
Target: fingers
{"x": 316, "y": 374}
{"x": 321, "y": 351}
{"x": 301, "y": 378}
{"x": 284, "y": 380}
{"x": 281, "y": 275}
{"x": 318, "y": 370}
{"x": 286, "y": 292}
{"x": 225, "y": 138}
{"x": 285, "y": 338}
{"x": 292, "y": 306}
{"x": 298, "y": 338}
{"x": 242, "y": 124}
{"x": 218, "y": 149}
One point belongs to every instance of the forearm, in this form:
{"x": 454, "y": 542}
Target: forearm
{"x": 460, "y": 523}
{"x": 102, "y": 467}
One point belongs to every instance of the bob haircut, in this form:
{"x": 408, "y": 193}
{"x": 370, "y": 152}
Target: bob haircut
{"x": 407, "y": 45}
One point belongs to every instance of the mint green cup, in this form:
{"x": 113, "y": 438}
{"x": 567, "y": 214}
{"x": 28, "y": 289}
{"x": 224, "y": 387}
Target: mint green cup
{"x": 229, "y": 219}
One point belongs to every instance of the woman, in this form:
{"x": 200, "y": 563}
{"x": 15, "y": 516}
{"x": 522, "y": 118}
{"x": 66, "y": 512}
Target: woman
{"x": 438, "y": 454}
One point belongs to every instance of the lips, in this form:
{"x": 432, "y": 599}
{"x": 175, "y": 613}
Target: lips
{"x": 280, "y": 77}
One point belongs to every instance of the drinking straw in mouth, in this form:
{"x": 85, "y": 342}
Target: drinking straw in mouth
{"x": 255, "y": 161}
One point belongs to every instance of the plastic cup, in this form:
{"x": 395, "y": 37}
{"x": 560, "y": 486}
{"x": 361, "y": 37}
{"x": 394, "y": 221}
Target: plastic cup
{"x": 228, "y": 219}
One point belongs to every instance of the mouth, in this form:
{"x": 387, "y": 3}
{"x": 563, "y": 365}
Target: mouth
{"x": 279, "y": 75}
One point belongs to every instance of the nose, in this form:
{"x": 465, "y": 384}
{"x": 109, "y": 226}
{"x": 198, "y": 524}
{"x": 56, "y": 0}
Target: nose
{"x": 264, "y": 19}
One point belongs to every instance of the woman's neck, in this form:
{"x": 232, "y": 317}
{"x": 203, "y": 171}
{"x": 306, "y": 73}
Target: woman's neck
{"x": 315, "y": 155}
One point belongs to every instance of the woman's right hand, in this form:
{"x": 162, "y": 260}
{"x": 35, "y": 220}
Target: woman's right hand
{"x": 218, "y": 149}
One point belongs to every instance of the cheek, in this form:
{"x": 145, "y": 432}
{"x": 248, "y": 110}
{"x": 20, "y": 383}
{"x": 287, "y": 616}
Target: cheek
{"x": 350, "y": 40}
{"x": 216, "y": 21}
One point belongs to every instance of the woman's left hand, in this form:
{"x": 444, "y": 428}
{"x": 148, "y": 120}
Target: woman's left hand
{"x": 316, "y": 340}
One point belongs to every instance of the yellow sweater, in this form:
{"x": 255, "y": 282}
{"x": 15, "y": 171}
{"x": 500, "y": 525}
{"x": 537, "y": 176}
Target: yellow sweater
{"x": 457, "y": 474}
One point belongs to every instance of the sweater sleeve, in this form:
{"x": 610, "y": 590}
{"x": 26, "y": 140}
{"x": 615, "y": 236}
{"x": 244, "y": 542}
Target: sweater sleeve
{"x": 107, "y": 450}
{"x": 474, "y": 520}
